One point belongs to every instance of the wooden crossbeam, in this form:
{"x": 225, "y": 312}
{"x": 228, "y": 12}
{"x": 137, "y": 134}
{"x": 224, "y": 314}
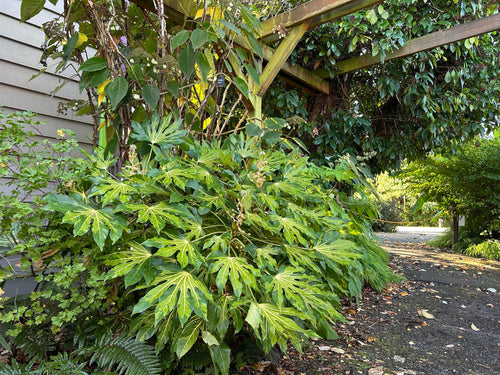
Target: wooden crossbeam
{"x": 426, "y": 42}
{"x": 321, "y": 12}
{"x": 282, "y": 53}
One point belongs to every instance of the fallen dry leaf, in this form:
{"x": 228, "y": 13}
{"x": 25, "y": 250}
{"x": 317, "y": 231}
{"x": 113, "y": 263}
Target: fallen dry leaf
{"x": 425, "y": 314}
{"x": 379, "y": 370}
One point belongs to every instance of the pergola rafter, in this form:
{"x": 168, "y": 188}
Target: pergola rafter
{"x": 426, "y": 42}
{"x": 305, "y": 17}
{"x": 315, "y": 12}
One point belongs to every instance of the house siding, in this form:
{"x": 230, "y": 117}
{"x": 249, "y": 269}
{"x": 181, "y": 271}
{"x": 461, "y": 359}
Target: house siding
{"x": 20, "y": 52}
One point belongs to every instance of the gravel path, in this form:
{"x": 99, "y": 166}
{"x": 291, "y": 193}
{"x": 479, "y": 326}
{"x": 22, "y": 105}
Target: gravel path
{"x": 443, "y": 318}
{"x": 411, "y": 234}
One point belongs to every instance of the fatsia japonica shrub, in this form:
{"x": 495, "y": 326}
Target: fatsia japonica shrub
{"x": 223, "y": 244}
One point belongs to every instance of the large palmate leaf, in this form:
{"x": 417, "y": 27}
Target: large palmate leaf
{"x": 188, "y": 336}
{"x": 110, "y": 190}
{"x": 123, "y": 261}
{"x": 296, "y": 287}
{"x": 301, "y": 257}
{"x": 337, "y": 252}
{"x": 239, "y": 272}
{"x": 176, "y": 290}
{"x": 293, "y": 230}
{"x": 160, "y": 214}
{"x": 186, "y": 249}
{"x": 159, "y": 132}
{"x": 103, "y": 222}
{"x": 272, "y": 324}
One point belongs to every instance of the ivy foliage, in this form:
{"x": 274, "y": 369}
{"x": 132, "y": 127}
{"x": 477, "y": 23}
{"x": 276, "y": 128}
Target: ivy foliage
{"x": 403, "y": 108}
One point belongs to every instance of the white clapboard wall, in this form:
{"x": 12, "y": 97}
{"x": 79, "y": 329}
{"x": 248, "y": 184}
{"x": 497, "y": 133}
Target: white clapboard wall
{"x": 20, "y": 52}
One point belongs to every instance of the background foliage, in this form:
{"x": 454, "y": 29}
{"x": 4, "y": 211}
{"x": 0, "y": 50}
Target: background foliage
{"x": 403, "y": 108}
{"x": 466, "y": 182}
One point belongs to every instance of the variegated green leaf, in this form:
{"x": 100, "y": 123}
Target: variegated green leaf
{"x": 160, "y": 214}
{"x": 301, "y": 257}
{"x": 162, "y": 132}
{"x": 102, "y": 222}
{"x": 293, "y": 230}
{"x": 109, "y": 190}
{"x": 265, "y": 256}
{"x": 272, "y": 325}
{"x": 188, "y": 336}
{"x": 255, "y": 219}
{"x": 186, "y": 250}
{"x": 179, "y": 290}
{"x": 123, "y": 261}
{"x": 337, "y": 251}
{"x": 239, "y": 272}
{"x": 221, "y": 357}
{"x": 295, "y": 287}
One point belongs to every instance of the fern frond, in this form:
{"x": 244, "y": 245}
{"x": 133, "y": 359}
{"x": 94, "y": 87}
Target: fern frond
{"x": 197, "y": 358}
{"x": 126, "y": 356}
{"x": 17, "y": 369}
{"x": 34, "y": 347}
{"x": 61, "y": 364}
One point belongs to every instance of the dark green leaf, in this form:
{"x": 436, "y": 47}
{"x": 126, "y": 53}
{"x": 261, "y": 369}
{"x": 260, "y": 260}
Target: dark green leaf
{"x": 253, "y": 130}
{"x": 173, "y": 87}
{"x": 198, "y": 38}
{"x": 94, "y": 64}
{"x": 241, "y": 85}
{"x": 99, "y": 77}
{"x": 271, "y": 137}
{"x": 116, "y": 90}
{"x": 180, "y": 38}
{"x": 30, "y": 8}
{"x": 274, "y": 123}
{"x": 151, "y": 95}
{"x": 221, "y": 357}
{"x": 203, "y": 65}
{"x": 230, "y": 26}
{"x": 187, "y": 60}
{"x": 70, "y": 46}
{"x": 257, "y": 49}
{"x": 253, "y": 73}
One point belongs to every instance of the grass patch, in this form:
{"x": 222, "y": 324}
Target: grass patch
{"x": 442, "y": 241}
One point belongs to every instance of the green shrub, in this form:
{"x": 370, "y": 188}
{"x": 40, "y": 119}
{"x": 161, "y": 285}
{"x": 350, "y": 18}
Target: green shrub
{"x": 442, "y": 241}
{"x": 389, "y": 216}
{"x": 489, "y": 249}
{"x": 224, "y": 248}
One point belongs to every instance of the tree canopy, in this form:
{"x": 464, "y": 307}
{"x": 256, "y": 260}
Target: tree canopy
{"x": 467, "y": 182}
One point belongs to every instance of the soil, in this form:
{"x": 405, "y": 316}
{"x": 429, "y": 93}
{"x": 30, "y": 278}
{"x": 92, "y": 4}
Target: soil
{"x": 443, "y": 318}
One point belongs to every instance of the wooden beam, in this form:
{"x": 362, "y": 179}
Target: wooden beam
{"x": 321, "y": 11}
{"x": 426, "y": 42}
{"x": 282, "y": 53}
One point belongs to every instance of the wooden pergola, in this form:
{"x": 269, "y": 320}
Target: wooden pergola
{"x": 298, "y": 21}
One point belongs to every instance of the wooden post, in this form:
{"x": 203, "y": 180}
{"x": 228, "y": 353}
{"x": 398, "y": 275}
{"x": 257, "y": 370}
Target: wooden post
{"x": 453, "y": 226}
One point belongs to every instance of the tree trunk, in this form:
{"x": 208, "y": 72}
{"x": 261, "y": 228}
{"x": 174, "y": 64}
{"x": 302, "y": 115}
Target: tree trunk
{"x": 453, "y": 226}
